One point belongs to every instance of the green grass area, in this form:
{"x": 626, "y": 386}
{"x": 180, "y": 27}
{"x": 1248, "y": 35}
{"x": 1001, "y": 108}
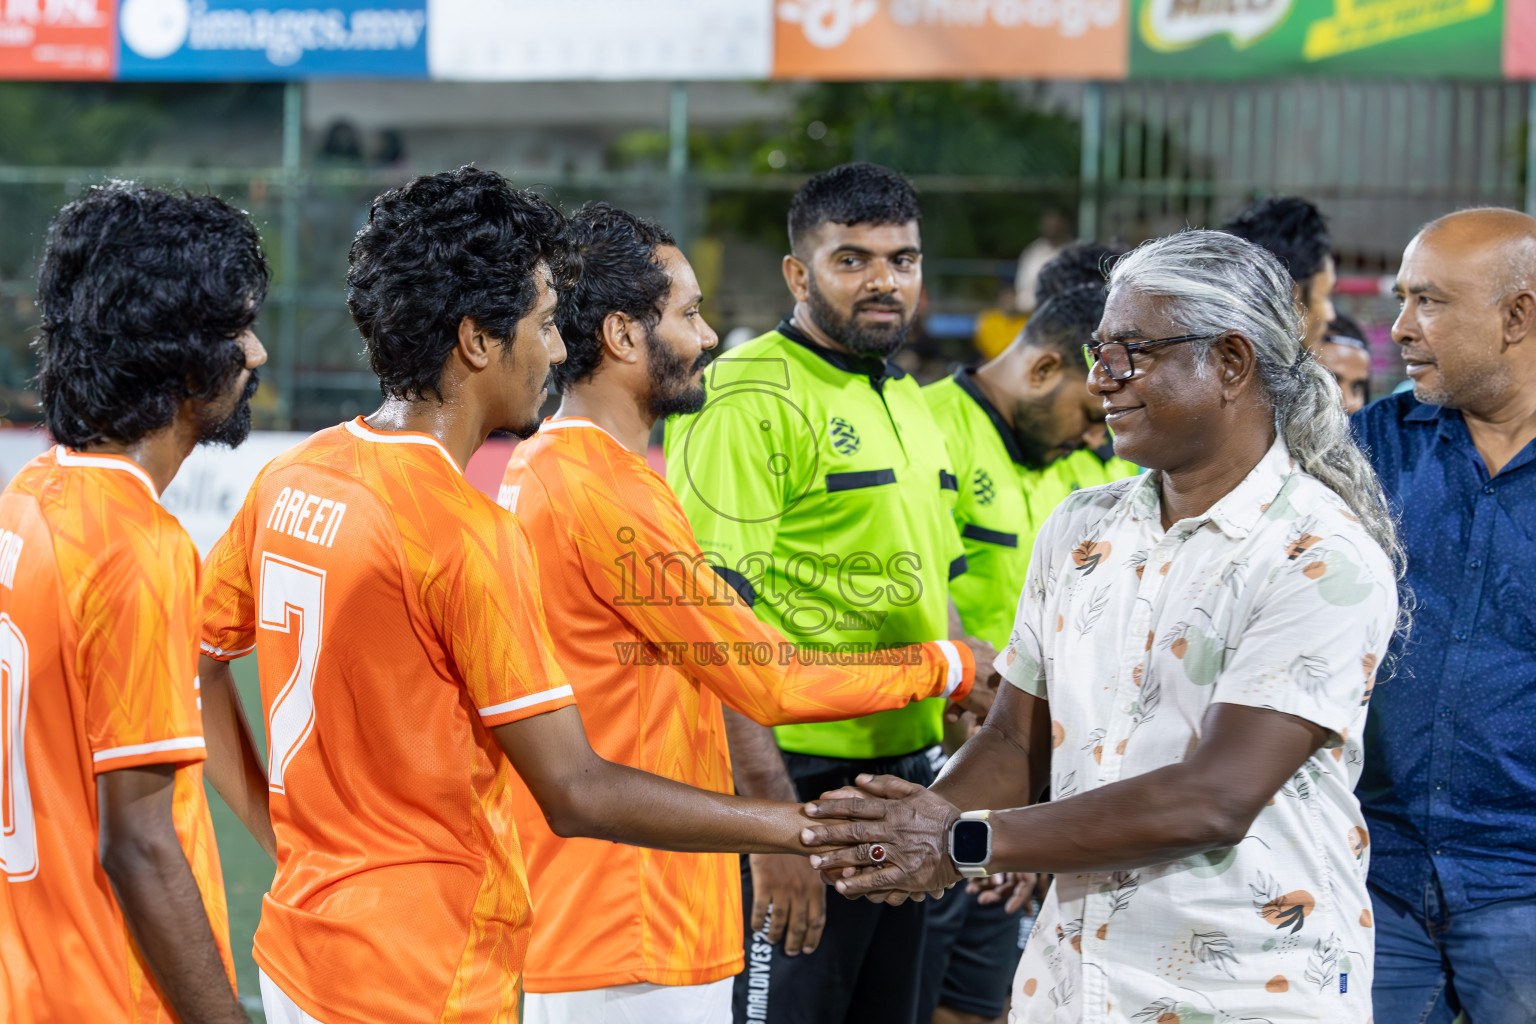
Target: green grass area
{"x": 247, "y": 871}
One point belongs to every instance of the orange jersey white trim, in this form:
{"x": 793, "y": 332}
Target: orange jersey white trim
{"x": 388, "y": 647}
{"x": 652, "y": 640}
{"x": 98, "y": 668}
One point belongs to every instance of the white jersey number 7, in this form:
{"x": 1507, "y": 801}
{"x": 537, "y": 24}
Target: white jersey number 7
{"x": 291, "y": 597}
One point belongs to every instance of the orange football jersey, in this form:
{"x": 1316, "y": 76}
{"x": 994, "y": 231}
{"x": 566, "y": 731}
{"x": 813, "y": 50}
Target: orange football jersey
{"x": 394, "y": 610}
{"x": 653, "y": 641}
{"x": 98, "y": 668}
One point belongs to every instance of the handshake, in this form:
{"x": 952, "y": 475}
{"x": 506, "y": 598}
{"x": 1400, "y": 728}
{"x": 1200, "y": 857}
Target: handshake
{"x": 888, "y": 840}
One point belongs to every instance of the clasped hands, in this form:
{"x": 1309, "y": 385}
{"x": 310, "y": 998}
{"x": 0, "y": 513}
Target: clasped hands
{"x": 907, "y": 822}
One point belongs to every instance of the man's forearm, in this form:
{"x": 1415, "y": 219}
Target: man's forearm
{"x": 989, "y": 771}
{"x": 160, "y": 900}
{"x": 234, "y": 767}
{"x": 626, "y": 805}
{"x": 756, "y": 763}
{"x": 1154, "y": 818}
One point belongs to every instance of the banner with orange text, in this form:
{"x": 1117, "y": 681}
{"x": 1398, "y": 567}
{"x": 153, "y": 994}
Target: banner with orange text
{"x": 875, "y": 39}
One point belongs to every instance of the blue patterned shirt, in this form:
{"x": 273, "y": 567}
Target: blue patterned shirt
{"x": 1449, "y": 786}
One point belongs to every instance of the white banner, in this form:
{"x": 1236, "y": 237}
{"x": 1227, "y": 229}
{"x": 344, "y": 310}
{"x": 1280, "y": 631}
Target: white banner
{"x": 211, "y": 485}
{"x": 567, "y": 40}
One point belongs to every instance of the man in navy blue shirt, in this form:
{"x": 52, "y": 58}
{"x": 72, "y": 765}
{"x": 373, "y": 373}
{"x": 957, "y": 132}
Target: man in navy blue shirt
{"x": 1449, "y": 787}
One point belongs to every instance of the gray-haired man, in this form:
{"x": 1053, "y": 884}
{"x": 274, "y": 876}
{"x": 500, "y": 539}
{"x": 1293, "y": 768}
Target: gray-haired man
{"x": 1191, "y": 662}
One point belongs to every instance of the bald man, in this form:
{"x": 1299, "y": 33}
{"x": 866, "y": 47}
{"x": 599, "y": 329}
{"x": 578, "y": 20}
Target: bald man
{"x": 1449, "y": 790}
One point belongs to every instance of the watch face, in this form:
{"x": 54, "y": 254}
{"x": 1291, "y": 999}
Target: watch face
{"x": 972, "y": 839}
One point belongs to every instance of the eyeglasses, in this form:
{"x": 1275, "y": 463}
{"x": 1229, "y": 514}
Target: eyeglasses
{"x": 1115, "y": 356}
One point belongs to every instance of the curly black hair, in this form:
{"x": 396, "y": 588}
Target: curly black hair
{"x": 620, "y": 273}
{"x": 440, "y": 248}
{"x": 143, "y": 295}
{"x": 1079, "y": 265}
{"x": 1065, "y": 323}
{"x": 856, "y": 193}
{"x": 1291, "y": 228}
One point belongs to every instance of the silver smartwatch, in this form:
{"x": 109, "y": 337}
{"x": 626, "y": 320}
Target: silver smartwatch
{"x": 970, "y": 844}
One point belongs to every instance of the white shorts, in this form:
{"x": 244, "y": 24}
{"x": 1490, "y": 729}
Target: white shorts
{"x": 643, "y": 1003}
{"x": 278, "y": 1007}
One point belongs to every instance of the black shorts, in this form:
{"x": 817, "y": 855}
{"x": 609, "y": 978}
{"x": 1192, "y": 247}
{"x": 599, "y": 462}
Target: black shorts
{"x": 970, "y": 955}
{"x": 867, "y": 969}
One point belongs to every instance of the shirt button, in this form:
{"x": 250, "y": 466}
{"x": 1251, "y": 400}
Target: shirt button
{"x": 1445, "y": 712}
{"x": 1488, "y": 489}
{"x": 1440, "y": 784}
{"x": 1476, "y": 562}
{"x": 1461, "y": 634}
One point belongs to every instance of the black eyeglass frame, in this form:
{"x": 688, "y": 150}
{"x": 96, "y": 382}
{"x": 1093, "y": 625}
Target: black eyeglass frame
{"x": 1091, "y": 351}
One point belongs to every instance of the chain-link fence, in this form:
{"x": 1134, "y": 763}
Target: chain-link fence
{"x": 1146, "y": 158}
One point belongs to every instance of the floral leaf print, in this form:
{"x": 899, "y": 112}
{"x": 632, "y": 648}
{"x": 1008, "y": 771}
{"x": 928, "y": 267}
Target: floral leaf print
{"x": 1159, "y": 1010}
{"x": 1063, "y": 993}
{"x": 1064, "y": 784}
{"x": 1088, "y": 615}
{"x": 1096, "y": 744}
{"x": 1214, "y": 948}
{"x": 1138, "y": 562}
{"x": 1323, "y": 964}
{"x": 1359, "y": 842}
{"x": 1298, "y": 786}
{"x": 1310, "y": 672}
{"x": 1088, "y": 555}
{"x": 1125, "y": 885}
{"x": 1369, "y": 663}
{"x": 1234, "y": 574}
{"x": 1340, "y": 582}
{"x": 1264, "y": 889}
{"x": 1151, "y": 696}
{"x": 1300, "y": 538}
{"x": 1200, "y": 654}
{"x": 1072, "y": 933}
{"x": 1289, "y": 911}
{"x": 1280, "y": 506}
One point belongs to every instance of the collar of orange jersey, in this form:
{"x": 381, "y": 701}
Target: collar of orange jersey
{"x": 562, "y": 422}
{"x": 103, "y": 460}
{"x": 358, "y": 428}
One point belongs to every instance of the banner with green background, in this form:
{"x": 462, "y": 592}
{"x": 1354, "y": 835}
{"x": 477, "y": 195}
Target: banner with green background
{"x": 1267, "y": 38}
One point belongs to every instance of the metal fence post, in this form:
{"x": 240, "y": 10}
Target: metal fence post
{"x": 677, "y": 162}
{"x": 289, "y": 285}
{"x": 1088, "y": 174}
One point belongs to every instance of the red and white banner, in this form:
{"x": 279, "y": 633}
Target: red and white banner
{"x": 58, "y": 39}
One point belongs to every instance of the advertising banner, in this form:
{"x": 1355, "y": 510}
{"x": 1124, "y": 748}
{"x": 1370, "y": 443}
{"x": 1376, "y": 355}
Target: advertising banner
{"x": 281, "y": 39}
{"x": 57, "y": 39}
{"x": 587, "y": 40}
{"x": 1520, "y": 38}
{"x": 904, "y": 39}
{"x": 1266, "y": 38}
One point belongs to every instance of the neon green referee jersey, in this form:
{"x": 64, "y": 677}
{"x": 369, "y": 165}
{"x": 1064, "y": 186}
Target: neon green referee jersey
{"x": 819, "y": 485}
{"x": 1001, "y": 504}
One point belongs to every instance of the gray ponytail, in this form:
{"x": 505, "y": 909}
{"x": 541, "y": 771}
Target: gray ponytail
{"x": 1216, "y": 282}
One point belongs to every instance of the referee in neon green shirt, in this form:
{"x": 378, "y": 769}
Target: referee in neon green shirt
{"x": 819, "y": 485}
{"x": 1023, "y": 433}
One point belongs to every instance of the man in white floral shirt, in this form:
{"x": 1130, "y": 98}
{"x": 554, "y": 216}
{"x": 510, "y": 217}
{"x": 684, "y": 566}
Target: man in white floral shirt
{"x": 1191, "y": 663}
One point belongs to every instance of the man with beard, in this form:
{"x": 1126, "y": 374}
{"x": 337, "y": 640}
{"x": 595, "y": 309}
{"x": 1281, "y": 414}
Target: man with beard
{"x": 819, "y": 484}
{"x": 1024, "y": 433}
{"x": 653, "y": 641}
{"x": 406, "y": 665}
{"x": 147, "y": 300}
